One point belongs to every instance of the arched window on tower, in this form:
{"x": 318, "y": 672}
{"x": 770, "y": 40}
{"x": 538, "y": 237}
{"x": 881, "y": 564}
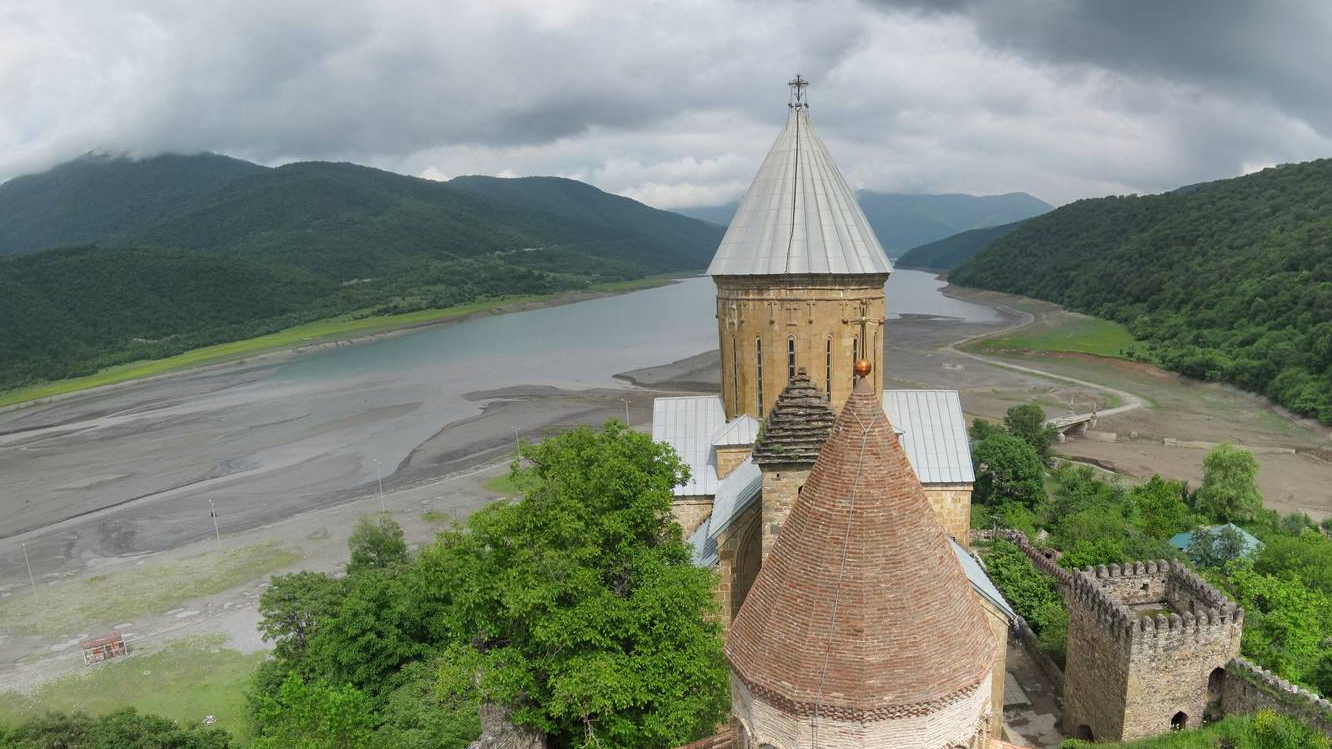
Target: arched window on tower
{"x": 874, "y": 352}
{"x": 758, "y": 359}
{"x": 855, "y": 357}
{"x": 790, "y": 358}
{"x": 735, "y": 375}
{"x": 827, "y": 369}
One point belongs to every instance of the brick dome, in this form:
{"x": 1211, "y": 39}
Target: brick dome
{"x": 861, "y": 611}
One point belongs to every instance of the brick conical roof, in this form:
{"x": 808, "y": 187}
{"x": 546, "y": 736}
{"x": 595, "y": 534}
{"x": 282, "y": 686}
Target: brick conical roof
{"x": 861, "y": 610}
{"x": 797, "y": 426}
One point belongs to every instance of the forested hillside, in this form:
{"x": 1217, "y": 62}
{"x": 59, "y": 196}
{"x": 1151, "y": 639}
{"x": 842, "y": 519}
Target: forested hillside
{"x": 903, "y": 221}
{"x": 1229, "y": 280}
{"x": 950, "y": 252}
{"x": 193, "y": 250}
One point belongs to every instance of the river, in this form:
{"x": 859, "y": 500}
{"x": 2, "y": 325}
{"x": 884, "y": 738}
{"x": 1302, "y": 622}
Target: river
{"x": 136, "y": 468}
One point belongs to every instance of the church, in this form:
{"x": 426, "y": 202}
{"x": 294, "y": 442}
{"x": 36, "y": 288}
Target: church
{"x": 834, "y": 512}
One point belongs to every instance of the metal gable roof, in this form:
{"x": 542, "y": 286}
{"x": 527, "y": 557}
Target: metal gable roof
{"x": 934, "y": 433}
{"x": 687, "y": 424}
{"x": 734, "y": 494}
{"x": 742, "y": 430}
{"x": 981, "y": 581}
{"x": 799, "y": 215}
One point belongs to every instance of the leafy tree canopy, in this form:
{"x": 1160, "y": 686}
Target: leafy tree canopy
{"x": 1229, "y": 491}
{"x": 376, "y": 543}
{"x": 122, "y": 729}
{"x": 1027, "y": 422}
{"x": 1008, "y": 470}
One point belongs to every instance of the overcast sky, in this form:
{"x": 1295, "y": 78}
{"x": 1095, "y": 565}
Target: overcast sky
{"x": 675, "y": 102}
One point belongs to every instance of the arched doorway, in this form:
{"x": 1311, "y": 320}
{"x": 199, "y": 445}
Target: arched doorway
{"x": 1216, "y": 684}
{"x": 1179, "y": 722}
{"x": 1084, "y": 733}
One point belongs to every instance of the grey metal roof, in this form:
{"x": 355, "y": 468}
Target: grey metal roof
{"x": 933, "y": 432}
{"x": 705, "y": 549}
{"x": 734, "y": 494}
{"x": 687, "y": 424}
{"x": 799, "y": 215}
{"x": 742, "y": 430}
{"x": 979, "y": 580}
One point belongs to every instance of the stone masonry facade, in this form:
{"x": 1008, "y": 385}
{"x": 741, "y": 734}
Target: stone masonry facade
{"x": 1148, "y": 645}
{"x": 764, "y": 317}
{"x": 952, "y": 505}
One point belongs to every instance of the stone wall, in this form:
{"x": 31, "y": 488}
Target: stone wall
{"x": 690, "y": 512}
{"x": 952, "y": 505}
{"x": 964, "y": 722}
{"x": 807, "y": 310}
{"x": 739, "y": 555}
{"x": 1132, "y": 669}
{"x": 999, "y": 625}
{"x": 781, "y": 486}
{"x": 1248, "y": 688}
{"x": 729, "y": 457}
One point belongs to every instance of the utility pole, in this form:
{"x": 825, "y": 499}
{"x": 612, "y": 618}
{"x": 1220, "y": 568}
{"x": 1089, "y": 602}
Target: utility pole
{"x": 379, "y": 476}
{"x": 517, "y": 446}
{"x": 31, "y": 579}
{"x": 212, "y": 511}
{"x": 626, "y": 411}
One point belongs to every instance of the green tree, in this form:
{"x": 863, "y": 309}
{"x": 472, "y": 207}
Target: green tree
{"x": 1008, "y": 470}
{"x": 1215, "y": 548}
{"x": 579, "y": 607}
{"x": 293, "y": 607}
{"x": 1027, "y": 422}
{"x": 1308, "y": 556}
{"x": 376, "y": 543}
{"x": 1159, "y": 508}
{"x": 418, "y": 715}
{"x": 122, "y": 729}
{"x": 1229, "y": 490}
{"x": 316, "y": 715}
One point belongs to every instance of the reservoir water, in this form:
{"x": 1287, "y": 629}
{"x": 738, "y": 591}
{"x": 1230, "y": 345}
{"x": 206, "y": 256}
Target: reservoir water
{"x": 268, "y": 439}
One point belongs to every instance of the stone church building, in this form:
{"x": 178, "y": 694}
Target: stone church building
{"x": 836, "y": 513}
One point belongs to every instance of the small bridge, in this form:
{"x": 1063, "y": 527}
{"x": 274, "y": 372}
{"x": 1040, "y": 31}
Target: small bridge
{"x": 1076, "y": 423}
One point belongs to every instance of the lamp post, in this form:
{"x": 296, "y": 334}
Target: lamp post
{"x": 379, "y": 478}
{"x": 626, "y": 411}
{"x": 517, "y": 446}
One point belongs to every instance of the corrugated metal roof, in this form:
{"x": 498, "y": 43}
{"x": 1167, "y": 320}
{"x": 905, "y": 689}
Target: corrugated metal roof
{"x": 742, "y": 430}
{"x": 705, "y": 549}
{"x": 799, "y": 215}
{"x": 734, "y": 494}
{"x": 934, "y": 433}
{"x": 687, "y": 424}
{"x": 980, "y": 580}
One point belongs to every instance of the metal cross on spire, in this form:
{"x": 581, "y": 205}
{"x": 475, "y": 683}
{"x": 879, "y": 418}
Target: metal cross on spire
{"x": 864, "y": 321}
{"x": 798, "y": 100}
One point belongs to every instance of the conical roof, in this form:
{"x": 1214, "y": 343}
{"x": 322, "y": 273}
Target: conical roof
{"x": 861, "y": 609}
{"x": 797, "y": 426}
{"x": 799, "y": 215}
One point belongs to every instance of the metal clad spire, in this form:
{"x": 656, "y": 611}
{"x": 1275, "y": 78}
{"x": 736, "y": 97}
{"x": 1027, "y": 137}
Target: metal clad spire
{"x": 799, "y": 215}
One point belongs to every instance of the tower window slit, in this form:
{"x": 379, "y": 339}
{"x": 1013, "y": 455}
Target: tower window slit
{"x": 735, "y": 376}
{"x": 855, "y": 356}
{"x": 790, "y": 359}
{"x": 758, "y": 359}
{"x": 827, "y": 369}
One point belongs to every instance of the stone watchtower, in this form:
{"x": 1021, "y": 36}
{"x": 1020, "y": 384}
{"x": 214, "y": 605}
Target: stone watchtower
{"x": 799, "y": 277}
{"x": 861, "y": 628}
{"x": 1148, "y": 645}
{"x": 786, "y": 448}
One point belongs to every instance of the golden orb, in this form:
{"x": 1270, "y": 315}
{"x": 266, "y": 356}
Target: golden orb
{"x": 863, "y": 367}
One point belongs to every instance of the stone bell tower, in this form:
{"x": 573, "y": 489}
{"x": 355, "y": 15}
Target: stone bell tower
{"x": 799, "y": 277}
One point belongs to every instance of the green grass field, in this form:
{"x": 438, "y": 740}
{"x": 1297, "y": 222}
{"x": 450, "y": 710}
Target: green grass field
{"x": 185, "y": 681}
{"x": 505, "y": 484}
{"x": 1064, "y": 332}
{"x": 324, "y": 330}
{"x": 75, "y": 605}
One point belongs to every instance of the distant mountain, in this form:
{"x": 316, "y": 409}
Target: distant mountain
{"x": 717, "y": 214}
{"x": 948, "y": 253}
{"x": 104, "y": 198}
{"x": 330, "y": 238}
{"x": 1228, "y": 280}
{"x": 903, "y": 221}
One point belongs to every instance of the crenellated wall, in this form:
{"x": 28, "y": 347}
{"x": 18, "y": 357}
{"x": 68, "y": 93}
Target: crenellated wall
{"x": 1132, "y": 667}
{"x": 1249, "y": 688}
